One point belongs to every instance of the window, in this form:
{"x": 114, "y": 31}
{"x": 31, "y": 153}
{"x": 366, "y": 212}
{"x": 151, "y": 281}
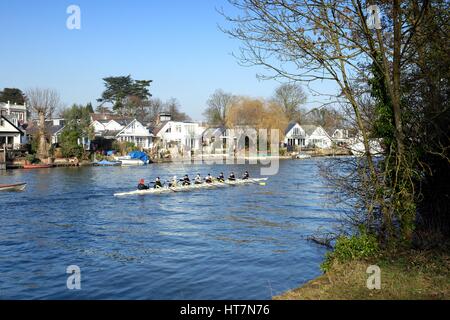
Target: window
{"x": 2, "y": 122}
{"x": 178, "y": 128}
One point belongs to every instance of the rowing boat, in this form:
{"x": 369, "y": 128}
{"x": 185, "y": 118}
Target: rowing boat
{"x": 13, "y": 187}
{"x": 191, "y": 187}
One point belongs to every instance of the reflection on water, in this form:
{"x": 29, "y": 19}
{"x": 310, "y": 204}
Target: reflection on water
{"x": 226, "y": 243}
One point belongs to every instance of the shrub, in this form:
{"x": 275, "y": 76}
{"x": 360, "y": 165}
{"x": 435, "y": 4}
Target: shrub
{"x": 346, "y": 249}
{"x": 31, "y": 158}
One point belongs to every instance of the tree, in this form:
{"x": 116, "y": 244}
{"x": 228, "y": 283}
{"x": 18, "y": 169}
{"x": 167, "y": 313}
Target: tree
{"x": 125, "y": 94}
{"x": 257, "y": 114}
{"x": 172, "y": 106}
{"x": 42, "y": 103}
{"x": 329, "y": 40}
{"x": 78, "y": 125}
{"x": 13, "y": 95}
{"x": 291, "y": 97}
{"x": 218, "y": 105}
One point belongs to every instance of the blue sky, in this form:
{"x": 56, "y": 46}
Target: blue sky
{"x": 177, "y": 44}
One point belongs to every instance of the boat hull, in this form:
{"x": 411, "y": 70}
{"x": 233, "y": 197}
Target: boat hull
{"x": 13, "y": 187}
{"x": 37, "y": 166}
{"x": 190, "y": 188}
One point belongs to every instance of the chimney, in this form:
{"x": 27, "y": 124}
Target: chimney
{"x": 164, "y": 116}
{"x": 8, "y": 110}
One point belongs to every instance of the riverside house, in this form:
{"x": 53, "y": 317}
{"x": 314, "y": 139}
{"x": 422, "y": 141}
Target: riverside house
{"x": 307, "y": 136}
{"x": 111, "y": 127}
{"x": 182, "y": 135}
{"x": 10, "y": 134}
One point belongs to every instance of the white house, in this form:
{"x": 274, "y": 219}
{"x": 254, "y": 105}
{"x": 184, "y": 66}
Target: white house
{"x": 184, "y": 135}
{"x": 136, "y": 133}
{"x": 10, "y": 134}
{"x": 310, "y": 136}
{"x": 15, "y": 112}
{"x": 295, "y": 135}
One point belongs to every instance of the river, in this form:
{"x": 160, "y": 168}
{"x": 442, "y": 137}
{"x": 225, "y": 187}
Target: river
{"x": 239, "y": 242}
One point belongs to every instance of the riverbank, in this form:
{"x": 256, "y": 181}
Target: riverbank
{"x": 408, "y": 275}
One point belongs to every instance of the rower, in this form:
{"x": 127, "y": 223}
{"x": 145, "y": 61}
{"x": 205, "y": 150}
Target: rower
{"x": 246, "y": 176}
{"x": 208, "y": 178}
{"x": 198, "y": 179}
{"x": 142, "y": 185}
{"x": 186, "y": 181}
{"x": 158, "y": 183}
{"x": 232, "y": 177}
{"x": 173, "y": 183}
{"x": 221, "y": 178}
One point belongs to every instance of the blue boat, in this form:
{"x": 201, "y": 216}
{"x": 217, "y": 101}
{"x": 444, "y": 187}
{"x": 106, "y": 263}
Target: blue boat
{"x": 106, "y": 163}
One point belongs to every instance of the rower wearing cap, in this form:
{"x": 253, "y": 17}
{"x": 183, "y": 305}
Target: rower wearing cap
{"x": 209, "y": 179}
{"x": 232, "y": 177}
{"x": 186, "y": 181}
{"x": 221, "y": 177}
{"x": 142, "y": 185}
{"x": 246, "y": 176}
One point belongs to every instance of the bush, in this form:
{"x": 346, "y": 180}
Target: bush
{"x": 69, "y": 144}
{"x": 124, "y": 147}
{"x": 346, "y": 249}
{"x": 31, "y": 158}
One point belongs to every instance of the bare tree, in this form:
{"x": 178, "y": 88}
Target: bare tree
{"x": 42, "y": 103}
{"x": 331, "y": 40}
{"x": 291, "y": 97}
{"x": 218, "y": 106}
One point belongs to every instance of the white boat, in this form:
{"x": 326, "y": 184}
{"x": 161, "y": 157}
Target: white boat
{"x": 191, "y": 187}
{"x": 13, "y": 187}
{"x": 303, "y": 156}
{"x": 131, "y": 162}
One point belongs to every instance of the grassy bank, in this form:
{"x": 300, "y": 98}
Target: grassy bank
{"x": 406, "y": 275}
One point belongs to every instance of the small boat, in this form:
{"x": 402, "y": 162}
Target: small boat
{"x": 303, "y": 156}
{"x": 204, "y": 185}
{"x": 37, "y": 166}
{"x": 13, "y": 187}
{"x": 132, "y": 162}
{"x": 106, "y": 163}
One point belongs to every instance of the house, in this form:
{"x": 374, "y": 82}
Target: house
{"x": 317, "y": 137}
{"x": 16, "y": 113}
{"x": 295, "y": 135}
{"x": 184, "y": 135}
{"x": 214, "y": 139}
{"x": 53, "y": 129}
{"x": 136, "y": 133}
{"x": 340, "y": 136}
{"x": 307, "y": 136}
{"x": 10, "y": 134}
{"x": 110, "y": 127}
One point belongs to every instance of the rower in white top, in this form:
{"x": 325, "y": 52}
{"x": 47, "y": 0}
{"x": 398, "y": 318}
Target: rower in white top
{"x": 198, "y": 179}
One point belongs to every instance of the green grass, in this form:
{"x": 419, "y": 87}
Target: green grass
{"x": 407, "y": 275}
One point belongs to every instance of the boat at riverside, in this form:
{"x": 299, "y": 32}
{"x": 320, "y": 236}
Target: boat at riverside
{"x": 13, "y": 187}
{"x": 181, "y": 188}
{"x": 37, "y": 166}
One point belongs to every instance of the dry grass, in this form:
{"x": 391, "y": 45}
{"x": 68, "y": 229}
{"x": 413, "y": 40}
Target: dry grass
{"x": 412, "y": 275}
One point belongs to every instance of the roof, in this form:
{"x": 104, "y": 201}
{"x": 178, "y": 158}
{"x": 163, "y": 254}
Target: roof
{"x": 106, "y": 117}
{"x": 157, "y": 128}
{"x": 290, "y": 126}
{"x": 11, "y": 123}
{"x": 214, "y": 131}
{"x": 309, "y": 128}
{"x": 49, "y": 128}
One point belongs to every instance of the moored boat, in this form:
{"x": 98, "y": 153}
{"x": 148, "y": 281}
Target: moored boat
{"x": 192, "y": 187}
{"x": 106, "y": 163}
{"x": 37, "y": 166}
{"x": 13, "y": 187}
